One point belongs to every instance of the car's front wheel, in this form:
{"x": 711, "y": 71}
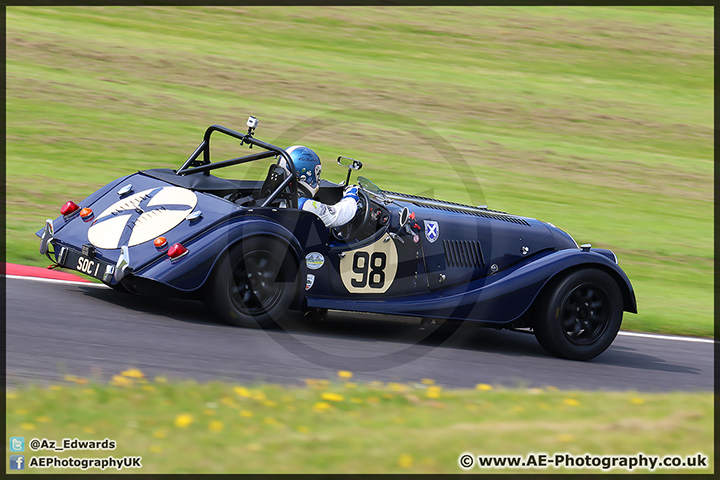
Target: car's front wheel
{"x": 254, "y": 284}
{"x": 579, "y": 317}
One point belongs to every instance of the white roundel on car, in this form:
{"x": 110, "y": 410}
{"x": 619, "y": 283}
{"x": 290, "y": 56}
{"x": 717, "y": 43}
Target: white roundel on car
{"x": 141, "y": 217}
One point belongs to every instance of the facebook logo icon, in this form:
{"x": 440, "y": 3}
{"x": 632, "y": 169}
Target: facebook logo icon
{"x": 17, "y": 462}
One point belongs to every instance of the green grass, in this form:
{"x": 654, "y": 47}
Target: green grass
{"x": 344, "y": 427}
{"x": 599, "y": 120}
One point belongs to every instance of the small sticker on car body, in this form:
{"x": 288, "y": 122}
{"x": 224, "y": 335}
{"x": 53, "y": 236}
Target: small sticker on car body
{"x": 314, "y": 260}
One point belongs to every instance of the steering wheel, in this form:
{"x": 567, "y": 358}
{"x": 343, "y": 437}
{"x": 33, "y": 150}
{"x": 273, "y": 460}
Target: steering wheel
{"x": 346, "y": 232}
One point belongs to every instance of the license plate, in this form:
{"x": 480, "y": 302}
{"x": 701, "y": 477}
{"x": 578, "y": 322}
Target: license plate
{"x": 88, "y": 266}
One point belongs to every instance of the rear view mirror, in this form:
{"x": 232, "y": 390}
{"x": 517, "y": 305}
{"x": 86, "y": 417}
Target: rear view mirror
{"x": 404, "y": 216}
{"x": 350, "y": 163}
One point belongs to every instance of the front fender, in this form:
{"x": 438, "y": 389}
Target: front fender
{"x": 534, "y": 277}
{"x": 191, "y": 273}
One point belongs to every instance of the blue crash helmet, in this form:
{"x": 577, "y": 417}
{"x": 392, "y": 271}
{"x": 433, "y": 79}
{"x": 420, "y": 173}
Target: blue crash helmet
{"x": 307, "y": 165}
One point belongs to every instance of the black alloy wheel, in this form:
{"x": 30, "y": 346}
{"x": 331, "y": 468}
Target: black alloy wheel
{"x": 254, "y": 284}
{"x": 579, "y": 315}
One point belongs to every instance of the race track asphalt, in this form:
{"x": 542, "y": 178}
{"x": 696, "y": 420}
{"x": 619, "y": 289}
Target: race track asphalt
{"x": 58, "y": 328}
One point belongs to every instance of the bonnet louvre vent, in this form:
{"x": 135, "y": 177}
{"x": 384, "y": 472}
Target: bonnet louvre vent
{"x": 463, "y": 253}
{"x": 504, "y": 218}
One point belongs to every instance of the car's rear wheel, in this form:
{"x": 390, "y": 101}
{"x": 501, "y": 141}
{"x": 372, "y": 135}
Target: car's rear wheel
{"x": 580, "y": 315}
{"x": 254, "y": 284}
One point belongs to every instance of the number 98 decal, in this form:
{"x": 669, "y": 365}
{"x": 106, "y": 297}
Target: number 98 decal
{"x": 370, "y": 269}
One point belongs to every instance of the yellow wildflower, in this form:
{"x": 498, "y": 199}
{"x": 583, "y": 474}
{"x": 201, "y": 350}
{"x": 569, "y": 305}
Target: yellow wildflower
{"x": 406, "y": 461}
{"x": 246, "y": 413}
{"x": 183, "y": 420}
{"x": 637, "y": 400}
{"x": 356, "y": 400}
{"x": 55, "y": 387}
{"x": 88, "y": 430}
{"x": 156, "y": 449}
{"x": 427, "y": 381}
{"x": 433, "y": 391}
{"x": 27, "y": 426}
{"x": 332, "y": 397}
{"x": 132, "y": 373}
{"x": 42, "y": 419}
{"x": 321, "y": 406}
{"x": 20, "y": 411}
{"x": 303, "y": 429}
{"x": 483, "y": 387}
{"x": 149, "y": 388}
{"x": 215, "y": 426}
{"x": 120, "y": 381}
{"x": 242, "y": 392}
{"x": 160, "y": 434}
{"x": 345, "y": 374}
{"x": 161, "y": 380}
{"x": 565, "y": 437}
{"x": 571, "y": 401}
{"x": 259, "y": 395}
{"x": 11, "y": 395}
{"x": 269, "y": 403}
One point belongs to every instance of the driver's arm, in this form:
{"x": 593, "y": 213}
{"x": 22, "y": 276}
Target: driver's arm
{"x": 334, "y": 215}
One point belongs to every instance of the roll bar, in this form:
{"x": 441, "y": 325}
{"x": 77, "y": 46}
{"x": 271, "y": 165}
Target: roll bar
{"x": 192, "y": 165}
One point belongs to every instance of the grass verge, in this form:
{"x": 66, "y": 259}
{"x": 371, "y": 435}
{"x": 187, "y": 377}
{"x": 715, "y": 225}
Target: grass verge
{"x": 345, "y": 427}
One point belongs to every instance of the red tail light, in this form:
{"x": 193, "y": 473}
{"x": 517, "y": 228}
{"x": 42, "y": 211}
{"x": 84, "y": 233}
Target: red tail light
{"x": 69, "y": 208}
{"x": 177, "y": 251}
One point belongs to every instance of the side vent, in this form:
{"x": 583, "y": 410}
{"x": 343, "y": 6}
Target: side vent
{"x": 463, "y": 253}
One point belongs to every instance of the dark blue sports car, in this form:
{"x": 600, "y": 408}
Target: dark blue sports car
{"x": 245, "y": 248}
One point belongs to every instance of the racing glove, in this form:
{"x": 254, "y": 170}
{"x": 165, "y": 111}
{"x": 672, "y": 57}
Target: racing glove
{"x": 334, "y": 215}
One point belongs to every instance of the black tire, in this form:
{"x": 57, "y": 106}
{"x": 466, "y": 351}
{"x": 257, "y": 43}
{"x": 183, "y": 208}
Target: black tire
{"x": 580, "y": 315}
{"x": 254, "y": 284}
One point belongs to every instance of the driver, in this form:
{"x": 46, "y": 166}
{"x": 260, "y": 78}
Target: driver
{"x": 307, "y": 164}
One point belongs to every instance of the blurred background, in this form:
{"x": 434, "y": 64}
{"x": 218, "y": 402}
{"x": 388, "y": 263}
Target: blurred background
{"x": 599, "y": 120}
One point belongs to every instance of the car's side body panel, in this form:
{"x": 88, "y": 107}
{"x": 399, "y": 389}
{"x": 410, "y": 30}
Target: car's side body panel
{"x": 498, "y": 299}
